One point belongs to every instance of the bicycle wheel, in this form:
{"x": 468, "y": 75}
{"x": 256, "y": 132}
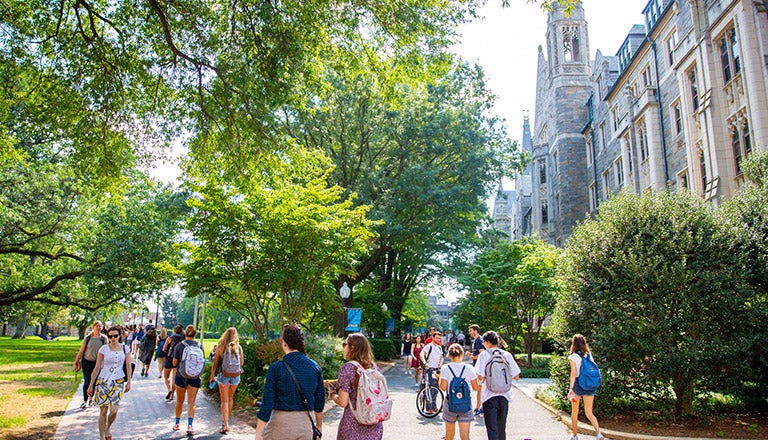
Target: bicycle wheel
{"x": 425, "y": 401}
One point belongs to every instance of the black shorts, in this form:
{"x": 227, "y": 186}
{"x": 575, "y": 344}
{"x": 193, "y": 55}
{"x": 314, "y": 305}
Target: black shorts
{"x": 183, "y": 382}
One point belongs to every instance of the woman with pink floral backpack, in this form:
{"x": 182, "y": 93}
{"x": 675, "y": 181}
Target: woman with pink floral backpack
{"x": 358, "y": 353}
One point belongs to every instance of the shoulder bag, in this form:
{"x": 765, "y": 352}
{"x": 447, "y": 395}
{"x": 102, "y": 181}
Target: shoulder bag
{"x": 316, "y": 433}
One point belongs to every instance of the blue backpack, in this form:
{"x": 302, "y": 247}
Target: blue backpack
{"x": 589, "y": 374}
{"x": 459, "y": 397}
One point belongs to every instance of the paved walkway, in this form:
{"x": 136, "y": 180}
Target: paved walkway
{"x": 144, "y": 414}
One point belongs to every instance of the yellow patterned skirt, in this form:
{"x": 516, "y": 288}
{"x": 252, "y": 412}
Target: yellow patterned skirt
{"x": 108, "y": 392}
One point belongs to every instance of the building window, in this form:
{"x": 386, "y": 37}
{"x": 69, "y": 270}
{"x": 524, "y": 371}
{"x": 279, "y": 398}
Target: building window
{"x": 590, "y": 159}
{"x": 729, "y": 55}
{"x": 602, "y": 136}
{"x": 642, "y": 139}
{"x": 592, "y": 197}
{"x": 647, "y": 79}
{"x": 571, "y": 49}
{"x": 678, "y": 114}
{"x": 606, "y": 183}
{"x": 682, "y": 180}
{"x": 557, "y": 205}
{"x": 629, "y": 152}
{"x": 741, "y": 144}
{"x": 694, "y": 89}
{"x": 671, "y": 44}
{"x": 703, "y": 169}
{"x": 619, "y": 170}
{"x": 615, "y": 118}
{"x": 554, "y": 162}
{"x": 542, "y": 171}
{"x": 544, "y": 212}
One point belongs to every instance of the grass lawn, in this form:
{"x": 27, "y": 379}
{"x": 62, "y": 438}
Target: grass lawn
{"x": 36, "y": 385}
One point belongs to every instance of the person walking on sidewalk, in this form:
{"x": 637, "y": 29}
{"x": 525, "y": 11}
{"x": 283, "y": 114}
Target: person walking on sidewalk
{"x": 147, "y": 350}
{"x": 357, "y": 353}
{"x": 405, "y": 352}
{"x": 416, "y": 362}
{"x": 228, "y": 365}
{"x": 86, "y": 358}
{"x": 283, "y": 413}
{"x": 169, "y": 370}
{"x": 580, "y": 348}
{"x": 457, "y": 368}
{"x": 496, "y": 368}
{"x": 160, "y": 354}
{"x": 113, "y": 365}
{"x": 477, "y": 348}
{"x": 186, "y": 387}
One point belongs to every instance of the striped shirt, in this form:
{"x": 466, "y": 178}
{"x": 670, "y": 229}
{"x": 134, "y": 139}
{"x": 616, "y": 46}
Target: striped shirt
{"x": 280, "y": 391}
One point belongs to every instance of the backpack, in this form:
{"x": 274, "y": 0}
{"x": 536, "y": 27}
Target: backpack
{"x": 459, "y": 396}
{"x": 192, "y": 360}
{"x": 589, "y": 374}
{"x": 230, "y": 362}
{"x": 497, "y": 372}
{"x": 373, "y": 404}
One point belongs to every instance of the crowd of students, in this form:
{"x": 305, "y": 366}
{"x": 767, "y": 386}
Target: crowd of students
{"x": 295, "y": 390}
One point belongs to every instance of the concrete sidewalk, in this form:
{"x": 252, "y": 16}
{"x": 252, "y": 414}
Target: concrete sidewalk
{"x": 144, "y": 414}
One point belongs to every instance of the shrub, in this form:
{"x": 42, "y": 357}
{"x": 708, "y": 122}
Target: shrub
{"x": 384, "y": 348}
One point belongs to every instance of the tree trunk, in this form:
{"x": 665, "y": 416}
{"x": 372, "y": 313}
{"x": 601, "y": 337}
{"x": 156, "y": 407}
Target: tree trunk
{"x": 683, "y": 388}
{"x": 81, "y": 331}
{"x": 21, "y": 326}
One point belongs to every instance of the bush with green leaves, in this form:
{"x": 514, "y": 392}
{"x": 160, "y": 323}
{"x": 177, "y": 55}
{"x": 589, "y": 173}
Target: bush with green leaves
{"x": 660, "y": 290}
{"x": 384, "y": 348}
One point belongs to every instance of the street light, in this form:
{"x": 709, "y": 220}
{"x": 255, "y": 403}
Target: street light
{"x": 344, "y": 292}
{"x": 384, "y": 307}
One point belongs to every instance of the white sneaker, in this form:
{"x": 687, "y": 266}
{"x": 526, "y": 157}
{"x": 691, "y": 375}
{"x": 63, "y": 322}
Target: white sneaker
{"x": 575, "y": 437}
{"x": 600, "y": 436}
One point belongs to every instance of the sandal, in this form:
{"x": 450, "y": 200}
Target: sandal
{"x": 223, "y": 430}
{"x": 83, "y": 405}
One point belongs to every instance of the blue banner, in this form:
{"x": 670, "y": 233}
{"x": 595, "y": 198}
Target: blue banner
{"x": 354, "y": 317}
{"x": 390, "y": 328}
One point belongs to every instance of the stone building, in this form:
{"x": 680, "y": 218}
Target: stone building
{"x": 678, "y": 107}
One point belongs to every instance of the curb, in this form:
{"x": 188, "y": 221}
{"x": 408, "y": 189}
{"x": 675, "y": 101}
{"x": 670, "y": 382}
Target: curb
{"x": 586, "y": 428}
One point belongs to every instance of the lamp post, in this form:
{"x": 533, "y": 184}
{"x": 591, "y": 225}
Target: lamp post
{"x": 344, "y": 293}
{"x": 384, "y": 309}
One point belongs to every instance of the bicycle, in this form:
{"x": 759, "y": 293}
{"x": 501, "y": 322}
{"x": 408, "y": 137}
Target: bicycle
{"x": 429, "y": 400}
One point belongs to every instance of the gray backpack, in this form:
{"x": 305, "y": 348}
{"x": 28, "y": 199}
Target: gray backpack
{"x": 497, "y": 373}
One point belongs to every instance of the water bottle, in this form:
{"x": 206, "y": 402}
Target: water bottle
{"x": 212, "y": 385}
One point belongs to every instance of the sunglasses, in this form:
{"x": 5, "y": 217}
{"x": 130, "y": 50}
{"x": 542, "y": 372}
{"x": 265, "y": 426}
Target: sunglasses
{"x": 113, "y": 336}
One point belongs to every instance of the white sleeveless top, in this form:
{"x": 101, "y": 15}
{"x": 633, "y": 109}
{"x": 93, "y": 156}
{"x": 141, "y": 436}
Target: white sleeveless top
{"x": 112, "y": 369}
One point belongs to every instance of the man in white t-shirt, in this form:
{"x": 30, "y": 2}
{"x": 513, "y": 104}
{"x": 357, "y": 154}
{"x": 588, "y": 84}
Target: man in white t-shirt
{"x": 432, "y": 358}
{"x": 495, "y": 403}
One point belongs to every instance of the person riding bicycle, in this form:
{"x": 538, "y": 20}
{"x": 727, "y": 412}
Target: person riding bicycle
{"x": 432, "y": 358}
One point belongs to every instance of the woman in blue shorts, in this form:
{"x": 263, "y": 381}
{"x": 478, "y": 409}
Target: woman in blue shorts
{"x": 579, "y": 348}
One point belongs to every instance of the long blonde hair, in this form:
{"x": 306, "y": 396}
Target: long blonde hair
{"x": 228, "y": 340}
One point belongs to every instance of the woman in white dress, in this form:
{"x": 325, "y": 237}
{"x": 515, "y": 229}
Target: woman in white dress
{"x": 112, "y": 380}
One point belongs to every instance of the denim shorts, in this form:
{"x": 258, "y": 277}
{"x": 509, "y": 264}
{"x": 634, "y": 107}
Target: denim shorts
{"x": 226, "y": 380}
{"x": 451, "y": 417}
{"x": 579, "y": 391}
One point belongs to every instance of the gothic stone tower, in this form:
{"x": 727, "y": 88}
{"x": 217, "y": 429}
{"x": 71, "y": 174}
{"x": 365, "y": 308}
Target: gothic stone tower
{"x": 563, "y": 85}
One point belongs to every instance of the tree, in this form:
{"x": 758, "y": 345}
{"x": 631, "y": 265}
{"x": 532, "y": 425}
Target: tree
{"x": 660, "y": 290}
{"x": 513, "y": 286}
{"x": 279, "y": 240}
{"x": 747, "y": 214}
{"x": 419, "y": 147}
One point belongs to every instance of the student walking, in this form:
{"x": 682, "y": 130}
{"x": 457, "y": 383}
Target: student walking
{"x": 432, "y": 358}
{"x": 228, "y": 365}
{"x": 457, "y": 369}
{"x": 405, "y": 352}
{"x": 579, "y": 350}
{"x": 357, "y": 353}
{"x": 160, "y": 353}
{"x": 111, "y": 381}
{"x": 86, "y": 358}
{"x": 169, "y": 369}
{"x": 496, "y": 368}
{"x": 291, "y": 382}
{"x": 416, "y": 362}
{"x": 147, "y": 350}
{"x": 187, "y": 385}
{"x": 477, "y": 348}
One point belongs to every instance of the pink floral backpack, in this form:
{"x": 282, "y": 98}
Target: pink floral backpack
{"x": 373, "y": 404}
